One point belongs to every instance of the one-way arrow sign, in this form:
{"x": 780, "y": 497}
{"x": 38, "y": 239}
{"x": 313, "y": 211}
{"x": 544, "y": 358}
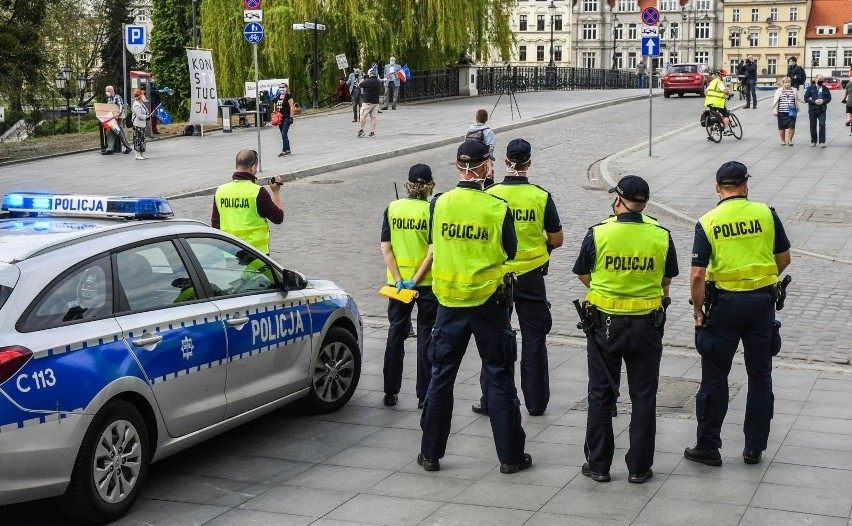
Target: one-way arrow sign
{"x": 651, "y": 46}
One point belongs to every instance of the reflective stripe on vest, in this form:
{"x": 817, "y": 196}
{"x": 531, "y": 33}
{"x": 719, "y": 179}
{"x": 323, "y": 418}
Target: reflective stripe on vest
{"x": 630, "y": 261}
{"x": 527, "y": 202}
{"x": 408, "y": 220}
{"x": 715, "y": 97}
{"x": 467, "y": 247}
{"x": 238, "y": 216}
{"x": 742, "y": 240}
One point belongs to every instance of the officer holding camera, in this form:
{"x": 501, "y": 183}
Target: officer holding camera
{"x": 472, "y": 235}
{"x": 627, "y": 262}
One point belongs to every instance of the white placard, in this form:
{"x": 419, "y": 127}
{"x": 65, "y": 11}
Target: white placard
{"x": 649, "y": 31}
{"x": 2, "y": 114}
{"x": 341, "y": 61}
{"x": 252, "y": 15}
{"x": 270, "y": 85}
{"x": 202, "y": 87}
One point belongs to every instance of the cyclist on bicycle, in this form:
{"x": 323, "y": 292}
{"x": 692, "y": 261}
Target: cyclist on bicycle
{"x": 715, "y": 96}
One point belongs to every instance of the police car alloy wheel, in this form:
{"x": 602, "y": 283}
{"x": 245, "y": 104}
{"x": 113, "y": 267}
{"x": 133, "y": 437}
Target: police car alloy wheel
{"x": 111, "y": 466}
{"x": 335, "y": 375}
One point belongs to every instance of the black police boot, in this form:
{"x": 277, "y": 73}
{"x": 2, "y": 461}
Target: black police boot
{"x": 429, "y": 464}
{"x": 597, "y": 477}
{"x": 641, "y": 478}
{"x": 709, "y": 457}
{"x": 478, "y": 408}
{"x": 390, "y": 399}
{"x": 420, "y": 403}
{"x": 752, "y": 456}
{"x": 513, "y": 467}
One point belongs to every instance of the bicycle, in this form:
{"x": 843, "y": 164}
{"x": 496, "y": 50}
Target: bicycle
{"x": 711, "y": 119}
{"x": 741, "y": 89}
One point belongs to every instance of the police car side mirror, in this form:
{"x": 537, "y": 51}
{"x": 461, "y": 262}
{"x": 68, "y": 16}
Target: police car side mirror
{"x": 293, "y": 280}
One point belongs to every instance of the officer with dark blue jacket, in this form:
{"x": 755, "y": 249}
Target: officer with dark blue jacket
{"x": 740, "y": 248}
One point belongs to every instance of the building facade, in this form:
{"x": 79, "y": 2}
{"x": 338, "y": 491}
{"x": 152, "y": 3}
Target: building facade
{"x": 828, "y": 40}
{"x": 531, "y": 22}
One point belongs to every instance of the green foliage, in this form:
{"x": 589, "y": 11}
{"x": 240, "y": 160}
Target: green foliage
{"x": 117, "y": 12}
{"x": 22, "y": 53}
{"x": 172, "y": 21}
{"x": 59, "y": 126}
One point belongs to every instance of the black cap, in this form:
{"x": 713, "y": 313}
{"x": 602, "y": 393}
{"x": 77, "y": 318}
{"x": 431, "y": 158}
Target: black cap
{"x": 420, "y": 173}
{"x": 472, "y": 151}
{"x": 633, "y": 188}
{"x": 732, "y": 172}
{"x": 518, "y": 151}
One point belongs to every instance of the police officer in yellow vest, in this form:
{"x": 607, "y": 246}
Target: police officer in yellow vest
{"x": 405, "y": 248}
{"x": 714, "y": 97}
{"x": 539, "y": 231}
{"x": 243, "y": 209}
{"x": 472, "y": 235}
{"x": 741, "y": 248}
{"x": 627, "y": 262}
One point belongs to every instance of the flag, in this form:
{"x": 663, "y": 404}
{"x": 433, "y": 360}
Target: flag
{"x": 162, "y": 115}
{"x": 401, "y": 75}
{"x": 406, "y": 72}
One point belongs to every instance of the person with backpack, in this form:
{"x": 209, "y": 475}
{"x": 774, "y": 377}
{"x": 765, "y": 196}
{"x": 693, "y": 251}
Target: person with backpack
{"x": 796, "y": 74}
{"x": 482, "y": 132}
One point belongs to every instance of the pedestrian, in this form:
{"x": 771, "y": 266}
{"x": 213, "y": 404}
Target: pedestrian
{"x": 627, "y": 262}
{"x": 796, "y": 74}
{"x": 140, "y": 120}
{"x": 740, "y": 248}
{"x": 286, "y": 107}
{"x": 640, "y": 70}
{"x": 785, "y": 107}
{"x": 391, "y": 81}
{"x": 342, "y": 91}
{"x": 354, "y": 82}
{"x": 243, "y": 208}
{"x": 480, "y": 131}
{"x": 817, "y": 97}
{"x": 472, "y": 236}
{"x": 114, "y": 98}
{"x": 847, "y": 99}
{"x": 750, "y": 74}
{"x": 405, "y": 248}
{"x": 370, "y": 88}
{"x": 539, "y": 231}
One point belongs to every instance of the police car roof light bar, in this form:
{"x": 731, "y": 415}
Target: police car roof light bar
{"x": 32, "y": 203}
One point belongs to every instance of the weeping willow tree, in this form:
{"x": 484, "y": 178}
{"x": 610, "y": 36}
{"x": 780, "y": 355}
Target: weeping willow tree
{"x": 422, "y": 33}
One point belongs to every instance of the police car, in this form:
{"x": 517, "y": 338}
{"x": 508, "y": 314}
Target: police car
{"x": 127, "y": 336}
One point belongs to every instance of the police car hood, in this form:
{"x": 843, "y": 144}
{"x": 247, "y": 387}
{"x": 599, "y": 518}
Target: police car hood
{"x": 322, "y": 284}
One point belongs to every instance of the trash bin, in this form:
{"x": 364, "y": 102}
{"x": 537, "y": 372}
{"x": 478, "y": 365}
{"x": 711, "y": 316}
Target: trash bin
{"x": 226, "y": 118}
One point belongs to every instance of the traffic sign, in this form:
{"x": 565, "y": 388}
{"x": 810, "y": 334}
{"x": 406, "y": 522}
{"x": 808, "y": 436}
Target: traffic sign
{"x": 311, "y": 25}
{"x": 650, "y": 16}
{"x": 252, "y": 15}
{"x": 299, "y": 27}
{"x": 79, "y": 110}
{"x": 135, "y": 39}
{"x": 649, "y": 31}
{"x": 251, "y": 4}
{"x": 651, "y": 46}
{"x": 253, "y": 32}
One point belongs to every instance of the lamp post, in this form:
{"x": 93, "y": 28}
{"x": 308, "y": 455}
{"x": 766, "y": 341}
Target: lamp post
{"x": 615, "y": 25}
{"x": 664, "y": 23}
{"x": 685, "y": 18}
{"x": 551, "y": 66}
{"x": 61, "y": 81}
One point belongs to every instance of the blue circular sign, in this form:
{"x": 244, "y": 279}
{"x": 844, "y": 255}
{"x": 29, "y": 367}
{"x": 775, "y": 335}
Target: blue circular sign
{"x": 253, "y": 32}
{"x": 650, "y": 16}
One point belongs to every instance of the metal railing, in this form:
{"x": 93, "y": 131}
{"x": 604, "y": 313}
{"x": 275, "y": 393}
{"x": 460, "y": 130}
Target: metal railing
{"x": 430, "y": 84}
{"x": 493, "y": 80}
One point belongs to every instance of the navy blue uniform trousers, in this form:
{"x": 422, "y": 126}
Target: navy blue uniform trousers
{"x": 399, "y": 319}
{"x": 495, "y": 339}
{"x": 750, "y": 317}
{"x": 530, "y": 300}
{"x": 635, "y": 340}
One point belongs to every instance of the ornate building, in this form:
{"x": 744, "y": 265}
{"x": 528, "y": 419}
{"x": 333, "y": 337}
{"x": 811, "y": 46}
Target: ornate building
{"x": 531, "y": 22}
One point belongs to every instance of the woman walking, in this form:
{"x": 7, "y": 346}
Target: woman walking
{"x": 140, "y": 119}
{"x": 284, "y": 106}
{"x": 786, "y": 107}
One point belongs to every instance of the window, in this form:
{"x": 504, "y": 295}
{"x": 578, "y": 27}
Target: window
{"x": 588, "y": 59}
{"x": 229, "y": 268}
{"x": 753, "y": 38}
{"x": 522, "y": 26}
{"x": 773, "y": 14}
{"x": 674, "y": 30}
{"x": 832, "y": 58}
{"x": 792, "y": 38}
{"x": 702, "y": 30}
{"x": 735, "y": 15}
{"x": 557, "y": 22}
{"x": 702, "y": 5}
{"x": 755, "y": 14}
{"x": 618, "y": 60}
{"x": 847, "y": 57}
{"x": 702, "y": 57}
{"x": 669, "y": 5}
{"x": 557, "y": 53}
{"x": 735, "y": 39}
{"x": 539, "y": 22}
{"x": 773, "y": 39}
{"x": 153, "y": 276}
{"x": 732, "y": 67}
{"x": 590, "y": 6}
{"x": 847, "y": 29}
{"x": 522, "y": 53}
{"x": 815, "y": 58}
{"x": 772, "y": 66}
{"x": 84, "y": 294}
{"x": 825, "y": 30}
{"x": 627, "y": 5}
{"x": 632, "y": 32}
{"x": 590, "y": 31}
{"x": 539, "y": 53}
{"x": 618, "y": 32}
{"x": 631, "y": 60}
{"x": 794, "y": 14}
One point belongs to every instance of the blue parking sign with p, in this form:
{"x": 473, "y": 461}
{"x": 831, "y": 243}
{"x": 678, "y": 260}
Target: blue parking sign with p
{"x": 136, "y": 35}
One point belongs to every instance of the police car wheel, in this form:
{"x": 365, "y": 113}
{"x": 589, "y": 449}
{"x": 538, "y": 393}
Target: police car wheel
{"x": 111, "y": 466}
{"x": 335, "y": 373}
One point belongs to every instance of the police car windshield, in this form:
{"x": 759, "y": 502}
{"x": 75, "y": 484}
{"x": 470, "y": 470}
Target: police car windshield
{"x": 684, "y": 68}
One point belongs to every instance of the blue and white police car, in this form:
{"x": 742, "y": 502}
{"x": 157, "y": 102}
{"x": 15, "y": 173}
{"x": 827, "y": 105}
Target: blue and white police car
{"x": 127, "y": 336}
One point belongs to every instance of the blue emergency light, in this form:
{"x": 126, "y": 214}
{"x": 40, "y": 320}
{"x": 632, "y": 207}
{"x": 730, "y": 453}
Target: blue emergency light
{"x": 86, "y": 205}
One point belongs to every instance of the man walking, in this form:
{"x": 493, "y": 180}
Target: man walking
{"x": 370, "y": 88}
{"x": 353, "y": 82}
{"x": 391, "y": 81}
{"x": 740, "y": 249}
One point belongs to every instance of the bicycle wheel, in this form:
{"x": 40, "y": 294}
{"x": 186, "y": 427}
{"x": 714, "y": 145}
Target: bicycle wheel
{"x": 741, "y": 89}
{"x": 735, "y": 126}
{"x": 714, "y": 132}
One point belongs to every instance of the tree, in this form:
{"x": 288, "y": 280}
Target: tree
{"x": 171, "y": 36}
{"x": 117, "y": 13}
{"x": 22, "y": 55}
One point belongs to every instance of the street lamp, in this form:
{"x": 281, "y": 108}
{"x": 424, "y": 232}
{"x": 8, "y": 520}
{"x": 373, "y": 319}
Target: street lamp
{"x": 550, "y": 71}
{"x": 684, "y": 18}
{"x": 615, "y": 25}
{"x": 663, "y": 25}
{"x": 61, "y": 81}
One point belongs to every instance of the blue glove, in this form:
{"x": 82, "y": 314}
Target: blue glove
{"x": 400, "y": 285}
{"x": 409, "y": 283}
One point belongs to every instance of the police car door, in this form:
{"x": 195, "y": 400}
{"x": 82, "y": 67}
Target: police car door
{"x": 176, "y": 334}
{"x": 268, "y": 328}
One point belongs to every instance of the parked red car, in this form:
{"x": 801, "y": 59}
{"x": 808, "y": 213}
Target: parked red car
{"x": 832, "y": 83}
{"x": 686, "y": 78}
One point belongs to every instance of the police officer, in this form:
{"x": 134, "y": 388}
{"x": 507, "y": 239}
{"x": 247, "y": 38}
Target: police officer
{"x": 242, "y": 208}
{"x": 405, "y": 247}
{"x": 539, "y": 231}
{"x": 740, "y": 248}
{"x": 627, "y": 262}
{"x": 472, "y": 235}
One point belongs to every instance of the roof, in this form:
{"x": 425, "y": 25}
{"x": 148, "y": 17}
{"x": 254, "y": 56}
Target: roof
{"x": 831, "y": 13}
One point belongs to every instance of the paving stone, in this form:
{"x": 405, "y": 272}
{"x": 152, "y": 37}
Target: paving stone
{"x": 822, "y": 501}
{"x": 384, "y": 510}
{"x": 298, "y": 501}
{"x": 674, "y": 512}
{"x": 732, "y": 491}
{"x": 467, "y": 515}
{"x": 762, "y": 517}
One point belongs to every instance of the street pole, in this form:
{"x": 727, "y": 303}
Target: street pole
{"x": 315, "y": 68}
{"x": 124, "y": 62}
{"x": 257, "y": 108}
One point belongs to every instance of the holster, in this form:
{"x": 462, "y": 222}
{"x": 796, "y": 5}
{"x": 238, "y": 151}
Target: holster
{"x": 779, "y": 291}
{"x": 658, "y": 316}
{"x": 506, "y": 290}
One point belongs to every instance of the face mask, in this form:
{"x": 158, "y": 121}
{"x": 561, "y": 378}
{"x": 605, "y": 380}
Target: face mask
{"x": 393, "y": 62}
{"x": 108, "y": 94}
{"x": 613, "y": 207}
{"x": 819, "y": 83}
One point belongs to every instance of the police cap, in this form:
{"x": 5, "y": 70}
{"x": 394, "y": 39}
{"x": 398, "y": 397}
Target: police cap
{"x": 472, "y": 151}
{"x": 518, "y": 151}
{"x": 732, "y": 173}
{"x": 420, "y": 173}
{"x": 633, "y": 188}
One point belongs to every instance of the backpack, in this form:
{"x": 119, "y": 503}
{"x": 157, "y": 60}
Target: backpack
{"x": 478, "y": 135}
